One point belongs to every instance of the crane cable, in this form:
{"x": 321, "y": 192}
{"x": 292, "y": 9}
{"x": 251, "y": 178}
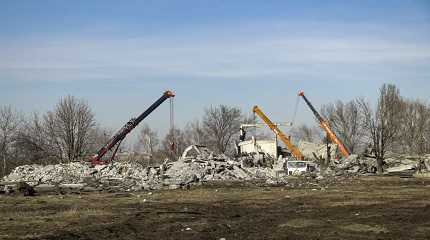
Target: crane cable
{"x": 293, "y": 119}
{"x": 172, "y": 126}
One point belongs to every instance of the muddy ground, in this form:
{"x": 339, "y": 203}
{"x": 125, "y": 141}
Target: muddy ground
{"x": 351, "y": 208}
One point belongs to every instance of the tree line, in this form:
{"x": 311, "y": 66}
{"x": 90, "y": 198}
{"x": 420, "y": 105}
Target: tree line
{"x": 70, "y": 132}
{"x": 394, "y": 124}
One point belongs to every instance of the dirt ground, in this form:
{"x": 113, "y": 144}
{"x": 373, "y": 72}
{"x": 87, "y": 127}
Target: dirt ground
{"x": 350, "y": 208}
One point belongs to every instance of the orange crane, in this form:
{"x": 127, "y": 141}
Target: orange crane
{"x": 294, "y": 150}
{"x": 326, "y": 127}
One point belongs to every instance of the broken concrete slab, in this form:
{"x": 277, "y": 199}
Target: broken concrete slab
{"x": 308, "y": 149}
{"x": 133, "y": 176}
{"x": 188, "y": 170}
{"x": 401, "y": 168}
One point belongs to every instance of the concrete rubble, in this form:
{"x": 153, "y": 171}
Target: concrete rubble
{"x": 310, "y": 150}
{"x": 196, "y": 166}
{"x": 394, "y": 164}
{"x": 129, "y": 176}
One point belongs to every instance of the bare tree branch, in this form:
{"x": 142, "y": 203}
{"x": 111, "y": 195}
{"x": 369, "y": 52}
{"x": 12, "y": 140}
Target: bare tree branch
{"x": 384, "y": 123}
{"x": 347, "y": 122}
{"x": 10, "y": 121}
{"x": 221, "y": 124}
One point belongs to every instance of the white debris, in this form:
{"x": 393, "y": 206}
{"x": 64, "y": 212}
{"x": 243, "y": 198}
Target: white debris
{"x": 401, "y": 168}
{"x": 308, "y": 150}
{"x": 59, "y": 173}
{"x": 188, "y": 170}
{"x": 134, "y": 177}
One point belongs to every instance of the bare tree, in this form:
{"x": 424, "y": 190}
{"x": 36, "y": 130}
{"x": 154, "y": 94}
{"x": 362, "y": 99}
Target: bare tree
{"x": 10, "y": 121}
{"x": 306, "y": 133}
{"x": 66, "y": 129}
{"x": 97, "y": 137}
{"x": 73, "y": 121}
{"x": 147, "y": 141}
{"x": 415, "y": 124}
{"x": 50, "y": 134}
{"x": 383, "y": 124}
{"x": 33, "y": 144}
{"x": 38, "y": 142}
{"x": 347, "y": 122}
{"x": 221, "y": 124}
{"x": 195, "y": 134}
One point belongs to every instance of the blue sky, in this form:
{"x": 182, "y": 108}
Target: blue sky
{"x": 121, "y": 56}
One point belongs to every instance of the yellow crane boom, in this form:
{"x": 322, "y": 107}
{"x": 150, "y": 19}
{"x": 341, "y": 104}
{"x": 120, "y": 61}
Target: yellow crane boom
{"x": 294, "y": 150}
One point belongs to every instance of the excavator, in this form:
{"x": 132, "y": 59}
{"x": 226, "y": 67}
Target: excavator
{"x": 294, "y": 150}
{"x": 126, "y": 129}
{"x": 324, "y": 124}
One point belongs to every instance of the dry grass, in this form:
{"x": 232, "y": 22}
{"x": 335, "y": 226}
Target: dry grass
{"x": 365, "y": 208}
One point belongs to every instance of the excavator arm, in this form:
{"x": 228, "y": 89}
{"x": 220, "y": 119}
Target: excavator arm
{"x": 294, "y": 150}
{"x": 326, "y": 127}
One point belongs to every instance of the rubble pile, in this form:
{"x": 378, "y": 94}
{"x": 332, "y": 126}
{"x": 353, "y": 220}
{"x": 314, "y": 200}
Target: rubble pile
{"x": 310, "y": 150}
{"x": 51, "y": 174}
{"x": 133, "y": 176}
{"x": 352, "y": 165}
{"x": 198, "y": 165}
{"x": 393, "y": 164}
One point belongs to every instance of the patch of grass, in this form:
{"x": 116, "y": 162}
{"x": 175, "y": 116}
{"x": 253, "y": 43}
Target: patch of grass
{"x": 355, "y": 209}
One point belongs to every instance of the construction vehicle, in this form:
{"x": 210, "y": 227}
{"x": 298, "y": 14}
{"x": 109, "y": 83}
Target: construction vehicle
{"x": 294, "y": 150}
{"x": 126, "y": 129}
{"x": 300, "y": 167}
{"x": 324, "y": 124}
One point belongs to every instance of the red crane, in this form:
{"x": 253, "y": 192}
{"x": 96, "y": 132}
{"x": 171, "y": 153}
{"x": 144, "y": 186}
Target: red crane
{"x": 127, "y": 128}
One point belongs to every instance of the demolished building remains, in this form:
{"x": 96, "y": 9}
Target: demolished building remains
{"x": 191, "y": 169}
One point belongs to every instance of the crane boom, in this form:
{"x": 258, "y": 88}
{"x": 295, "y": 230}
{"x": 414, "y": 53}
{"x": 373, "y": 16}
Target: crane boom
{"x": 257, "y": 125}
{"x": 294, "y": 150}
{"x": 127, "y": 128}
{"x": 325, "y": 126}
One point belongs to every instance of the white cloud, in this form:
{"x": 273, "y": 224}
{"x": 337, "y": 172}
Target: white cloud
{"x": 256, "y": 53}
